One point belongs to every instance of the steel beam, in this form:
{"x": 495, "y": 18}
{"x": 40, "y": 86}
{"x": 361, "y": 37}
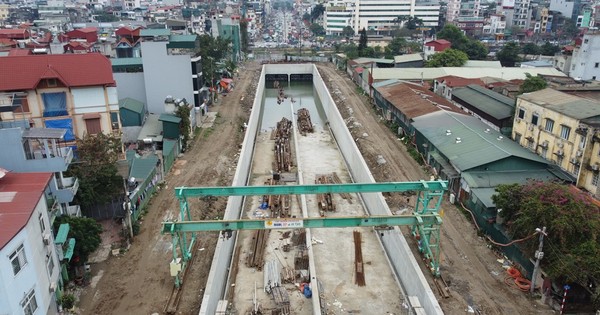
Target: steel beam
{"x": 186, "y": 192}
{"x": 292, "y": 223}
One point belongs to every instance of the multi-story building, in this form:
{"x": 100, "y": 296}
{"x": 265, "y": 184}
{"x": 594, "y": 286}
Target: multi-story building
{"x": 585, "y": 64}
{"x": 561, "y": 128}
{"x": 496, "y": 26}
{"x": 29, "y": 267}
{"x": 378, "y": 15}
{"x": 42, "y": 150}
{"x": 166, "y": 60}
{"x": 452, "y": 10}
{"x": 75, "y": 92}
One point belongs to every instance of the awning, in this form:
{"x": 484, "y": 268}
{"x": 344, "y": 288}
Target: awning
{"x": 69, "y": 250}
{"x": 91, "y": 116}
{"x": 63, "y": 232}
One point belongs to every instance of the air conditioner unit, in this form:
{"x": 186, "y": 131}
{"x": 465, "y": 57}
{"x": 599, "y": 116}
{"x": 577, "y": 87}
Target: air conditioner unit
{"x": 560, "y": 145}
{"x": 115, "y": 125}
{"x": 560, "y": 153}
{"x": 531, "y": 127}
{"x": 52, "y": 287}
{"x": 595, "y": 166}
{"x": 574, "y": 161}
{"x": 46, "y": 238}
{"x": 578, "y": 153}
{"x": 545, "y": 143}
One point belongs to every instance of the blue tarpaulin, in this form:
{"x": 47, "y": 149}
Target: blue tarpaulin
{"x": 62, "y": 124}
{"x": 55, "y": 104}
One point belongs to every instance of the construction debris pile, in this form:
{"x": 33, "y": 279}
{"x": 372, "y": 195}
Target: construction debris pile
{"x": 304, "y": 124}
{"x": 279, "y": 205}
{"x": 283, "y": 151}
{"x": 325, "y": 201}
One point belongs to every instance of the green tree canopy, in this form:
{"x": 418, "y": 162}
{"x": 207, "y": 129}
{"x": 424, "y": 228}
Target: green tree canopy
{"x": 531, "y": 49}
{"x": 447, "y": 58}
{"x": 572, "y": 219}
{"x": 474, "y": 49}
{"x": 532, "y": 84}
{"x": 413, "y": 22}
{"x": 317, "y": 12}
{"x": 317, "y": 29}
{"x": 362, "y": 42}
{"x": 509, "y": 54}
{"x": 351, "y": 50}
{"x": 96, "y": 169}
{"x": 212, "y": 50}
{"x": 549, "y": 49}
{"x": 348, "y": 31}
{"x": 85, "y": 231}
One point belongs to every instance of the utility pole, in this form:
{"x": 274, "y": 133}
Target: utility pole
{"x": 539, "y": 254}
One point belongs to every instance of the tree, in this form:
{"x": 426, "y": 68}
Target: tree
{"x": 244, "y": 34}
{"x": 362, "y": 42}
{"x": 306, "y": 17}
{"x": 572, "y": 219}
{"x": 351, "y": 50}
{"x": 532, "y": 84}
{"x": 413, "y": 22}
{"x": 396, "y": 47}
{"x": 183, "y": 112}
{"x": 96, "y": 169}
{"x": 447, "y": 58}
{"x": 452, "y": 34}
{"x": 474, "y": 49}
{"x": 317, "y": 29}
{"x": 531, "y": 49}
{"x": 509, "y": 54}
{"x": 347, "y": 31}
{"x": 86, "y": 232}
{"x": 569, "y": 30}
{"x": 316, "y": 12}
{"x": 549, "y": 49}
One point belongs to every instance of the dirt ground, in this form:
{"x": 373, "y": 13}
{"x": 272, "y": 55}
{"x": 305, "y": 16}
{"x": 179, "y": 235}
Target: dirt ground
{"x": 138, "y": 282}
{"x": 474, "y": 276}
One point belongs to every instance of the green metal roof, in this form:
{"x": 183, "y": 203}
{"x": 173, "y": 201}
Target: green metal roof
{"x": 169, "y": 118}
{"x": 385, "y": 83}
{"x": 486, "y": 100}
{"x": 485, "y": 196}
{"x": 155, "y": 32}
{"x": 68, "y": 252}
{"x": 126, "y": 61}
{"x": 479, "y": 145}
{"x": 489, "y": 179}
{"x": 141, "y": 168}
{"x": 132, "y": 105}
{"x": 61, "y": 235}
{"x": 183, "y": 38}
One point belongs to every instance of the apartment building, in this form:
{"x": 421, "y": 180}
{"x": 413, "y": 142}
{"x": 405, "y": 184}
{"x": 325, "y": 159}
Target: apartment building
{"x": 585, "y": 63}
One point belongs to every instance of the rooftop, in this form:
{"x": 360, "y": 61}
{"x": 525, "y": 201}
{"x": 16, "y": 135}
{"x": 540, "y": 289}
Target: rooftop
{"x": 408, "y": 58}
{"x": 19, "y": 195}
{"x": 169, "y": 118}
{"x": 44, "y": 133}
{"x": 25, "y": 72}
{"x": 433, "y": 73}
{"x": 566, "y": 104}
{"x": 478, "y": 145}
{"x": 488, "y": 101}
{"x": 126, "y": 61}
{"x": 155, "y": 32}
{"x": 141, "y": 167}
{"x": 152, "y": 129}
{"x": 414, "y": 100}
{"x": 482, "y": 64}
{"x": 454, "y": 81}
{"x": 132, "y": 105}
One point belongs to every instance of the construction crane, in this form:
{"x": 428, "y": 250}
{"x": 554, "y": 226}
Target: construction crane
{"x": 425, "y": 219}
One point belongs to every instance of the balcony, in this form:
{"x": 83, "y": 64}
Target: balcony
{"x": 66, "y": 189}
{"x": 74, "y": 211}
{"x": 57, "y": 160}
{"x": 53, "y": 208}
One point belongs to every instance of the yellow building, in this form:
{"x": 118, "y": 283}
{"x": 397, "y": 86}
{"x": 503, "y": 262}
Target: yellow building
{"x": 564, "y": 129}
{"x": 4, "y": 12}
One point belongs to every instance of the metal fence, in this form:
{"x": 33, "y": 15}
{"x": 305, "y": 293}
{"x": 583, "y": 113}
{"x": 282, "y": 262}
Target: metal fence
{"x": 109, "y": 210}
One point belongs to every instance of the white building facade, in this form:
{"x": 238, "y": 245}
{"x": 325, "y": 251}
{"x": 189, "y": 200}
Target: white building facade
{"x": 585, "y": 64}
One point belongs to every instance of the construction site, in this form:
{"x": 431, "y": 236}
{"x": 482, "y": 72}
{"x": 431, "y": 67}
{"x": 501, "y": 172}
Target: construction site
{"x": 296, "y": 137}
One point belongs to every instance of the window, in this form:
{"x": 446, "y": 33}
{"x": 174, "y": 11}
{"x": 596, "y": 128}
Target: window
{"x": 42, "y": 224}
{"x": 22, "y": 104}
{"x": 596, "y": 64}
{"x": 92, "y": 123}
{"x": 51, "y": 82}
{"x": 549, "y": 125}
{"x": 595, "y": 179}
{"x": 29, "y": 303}
{"x": 585, "y": 41}
{"x": 530, "y": 144}
{"x": 565, "y": 132}
{"x": 582, "y": 141}
{"x": 521, "y": 113}
{"x": 50, "y": 265}
{"x": 17, "y": 259}
{"x": 559, "y": 160}
{"x": 518, "y": 138}
{"x": 534, "y": 119}
{"x": 114, "y": 120}
{"x": 55, "y": 104}
{"x": 575, "y": 169}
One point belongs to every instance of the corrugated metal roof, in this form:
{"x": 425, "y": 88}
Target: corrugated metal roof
{"x": 155, "y": 32}
{"x": 169, "y": 118}
{"x": 493, "y": 179}
{"x": 485, "y": 196}
{"x": 384, "y": 83}
{"x": 408, "y": 58}
{"x": 454, "y": 81}
{"x": 482, "y": 64}
{"x": 62, "y": 234}
{"x": 152, "y": 128}
{"x": 126, "y": 61}
{"x": 364, "y": 60}
{"x": 566, "y": 104}
{"x": 477, "y": 147}
{"x": 433, "y": 73}
{"x": 132, "y": 105}
{"x": 141, "y": 168}
{"x": 414, "y": 100}
{"x": 486, "y": 100}
{"x": 44, "y": 133}
{"x": 25, "y": 72}
{"x": 19, "y": 195}
{"x": 182, "y": 38}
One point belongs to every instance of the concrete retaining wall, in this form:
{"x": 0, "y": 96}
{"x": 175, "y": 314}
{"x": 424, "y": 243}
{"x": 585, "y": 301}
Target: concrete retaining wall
{"x": 404, "y": 263}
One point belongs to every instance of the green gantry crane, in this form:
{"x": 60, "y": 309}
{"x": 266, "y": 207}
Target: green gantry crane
{"x": 425, "y": 219}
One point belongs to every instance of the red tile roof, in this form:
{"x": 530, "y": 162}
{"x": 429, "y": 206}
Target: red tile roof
{"x": 85, "y": 30}
{"x": 19, "y": 195}
{"x": 438, "y": 41}
{"x": 19, "y": 52}
{"x": 13, "y": 31}
{"x": 25, "y": 72}
{"x": 454, "y": 81}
